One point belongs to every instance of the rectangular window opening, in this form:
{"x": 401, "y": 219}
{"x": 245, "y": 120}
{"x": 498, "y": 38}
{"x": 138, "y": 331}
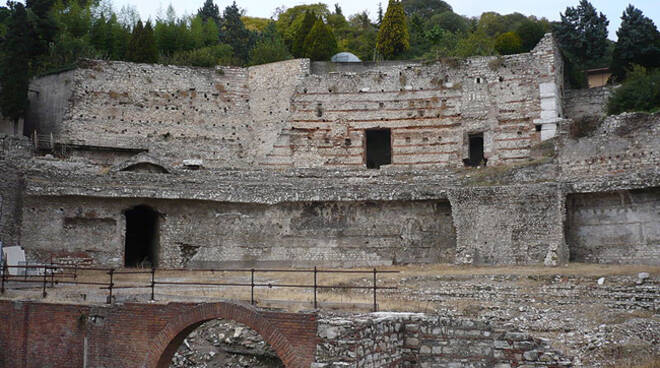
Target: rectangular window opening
{"x": 379, "y": 148}
{"x": 476, "y": 150}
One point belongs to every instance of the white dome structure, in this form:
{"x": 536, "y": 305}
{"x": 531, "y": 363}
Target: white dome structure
{"x": 345, "y": 57}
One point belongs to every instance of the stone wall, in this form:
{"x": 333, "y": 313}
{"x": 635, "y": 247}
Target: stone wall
{"x": 418, "y": 340}
{"x": 617, "y": 227}
{"x": 512, "y": 224}
{"x": 589, "y": 102}
{"x": 281, "y": 115}
{"x": 623, "y": 144}
{"x": 11, "y": 184}
{"x": 214, "y": 234}
{"x": 514, "y": 101}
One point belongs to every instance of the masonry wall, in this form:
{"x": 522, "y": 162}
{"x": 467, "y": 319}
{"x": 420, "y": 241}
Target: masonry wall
{"x": 616, "y": 227}
{"x": 215, "y": 234}
{"x": 624, "y": 144}
{"x": 588, "y": 102}
{"x": 431, "y": 110}
{"x": 10, "y": 204}
{"x": 282, "y": 115}
{"x": 38, "y": 335}
{"x": 509, "y": 224}
{"x": 418, "y": 340}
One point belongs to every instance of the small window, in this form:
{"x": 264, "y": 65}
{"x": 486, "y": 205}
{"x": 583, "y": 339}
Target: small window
{"x": 476, "y": 151}
{"x": 478, "y": 80}
{"x": 538, "y": 127}
{"x": 379, "y": 148}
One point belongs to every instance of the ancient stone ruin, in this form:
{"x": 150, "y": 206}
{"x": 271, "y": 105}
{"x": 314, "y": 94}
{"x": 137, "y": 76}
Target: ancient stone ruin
{"x": 296, "y": 164}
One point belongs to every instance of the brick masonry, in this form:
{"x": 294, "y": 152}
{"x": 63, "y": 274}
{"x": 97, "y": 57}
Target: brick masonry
{"x": 38, "y": 335}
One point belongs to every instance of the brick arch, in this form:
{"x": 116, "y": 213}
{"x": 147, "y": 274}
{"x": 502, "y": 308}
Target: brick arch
{"x": 169, "y": 338}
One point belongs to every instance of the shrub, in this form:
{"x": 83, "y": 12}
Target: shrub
{"x": 640, "y": 92}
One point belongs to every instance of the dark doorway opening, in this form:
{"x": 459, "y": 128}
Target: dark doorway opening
{"x": 476, "y": 151}
{"x": 141, "y": 247}
{"x": 379, "y": 148}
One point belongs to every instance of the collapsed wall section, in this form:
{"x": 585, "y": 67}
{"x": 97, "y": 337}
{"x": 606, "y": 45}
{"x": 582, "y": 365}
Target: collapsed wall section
{"x": 203, "y": 234}
{"x": 615, "y": 227}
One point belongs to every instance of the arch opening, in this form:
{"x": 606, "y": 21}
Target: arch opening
{"x": 141, "y": 242}
{"x": 219, "y": 343}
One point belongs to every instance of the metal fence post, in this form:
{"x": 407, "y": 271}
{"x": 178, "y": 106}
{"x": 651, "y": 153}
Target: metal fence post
{"x": 111, "y": 272}
{"x": 252, "y": 286}
{"x": 375, "y": 305}
{"x": 52, "y": 272}
{"x": 3, "y": 269}
{"x": 153, "y": 283}
{"x": 45, "y": 280}
{"x": 315, "y": 272}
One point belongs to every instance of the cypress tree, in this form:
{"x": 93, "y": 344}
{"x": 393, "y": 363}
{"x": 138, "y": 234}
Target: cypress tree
{"x": 320, "y": 43}
{"x": 15, "y": 64}
{"x": 149, "y": 49}
{"x": 133, "y": 48}
{"x": 393, "y": 38}
{"x": 209, "y": 11}
{"x": 298, "y": 46}
{"x": 235, "y": 34}
{"x": 638, "y": 43}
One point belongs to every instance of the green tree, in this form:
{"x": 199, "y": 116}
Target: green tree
{"x": 582, "y": 37}
{"x": 320, "y": 44}
{"x": 235, "y": 34}
{"x": 209, "y": 11}
{"x": 450, "y": 21}
{"x": 638, "y": 43}
{"x": 640, "y": 92}
{"x": 530, "y": 33}
{"x": 270, "y": 47}
{"x": 475, "y": 44}
{"x": 393, "y": 38}
{"x": 288, "y": 21}
{"x": 142, "y": 45}
{"x": 425, "y": 9}
{"x": 301, "y": 33}
{"x": 361, "y": 40}
{"x": 508, "y": 43}
{"x": 15, "y": 64}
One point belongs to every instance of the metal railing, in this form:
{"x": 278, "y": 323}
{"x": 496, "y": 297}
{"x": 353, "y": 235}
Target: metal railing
{"x": 49, "y": 275}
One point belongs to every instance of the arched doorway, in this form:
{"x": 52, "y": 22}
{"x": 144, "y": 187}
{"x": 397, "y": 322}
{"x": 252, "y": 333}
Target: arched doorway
{"x": 141, "y": 243}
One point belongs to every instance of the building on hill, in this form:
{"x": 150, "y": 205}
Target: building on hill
{"x": 332, "y": 164}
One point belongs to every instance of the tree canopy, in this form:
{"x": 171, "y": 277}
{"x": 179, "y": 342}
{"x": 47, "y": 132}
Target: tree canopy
{"x": 393, "y": 38}
{"x": 638, "y": 43}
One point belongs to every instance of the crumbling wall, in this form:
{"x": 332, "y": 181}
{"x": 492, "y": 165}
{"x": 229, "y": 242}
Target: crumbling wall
{"x": 622, "y": 144}
{"x": 586, "y": 103}
{"x": 11, "y": 193}
{"x": 509, "y": 225}
{"x": 272, "y": 87}
{"x": 280, "y": 115}
{"x": 420, "y": 340}
{"x": 207, "y": 234}
{"x": 616, "y": 227}
{"x": 430, "y": 110}
{"x": 49, "y": 99}
{"x": 177, "y": 113}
